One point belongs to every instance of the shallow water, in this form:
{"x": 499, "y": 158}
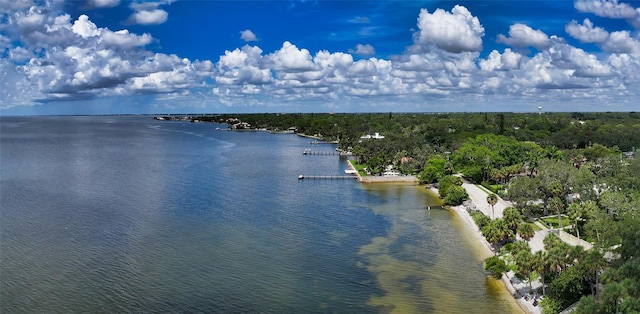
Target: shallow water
{"x": 127, "y": 214}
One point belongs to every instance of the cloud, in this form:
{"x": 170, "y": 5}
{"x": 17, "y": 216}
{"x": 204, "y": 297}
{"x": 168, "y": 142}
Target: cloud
{"x": 151, "y": 17}
{"x": 606, "y": 8}
{"x": 586, "y": 32}
{"x": 50, "y": 57}
{"x": 621, "y": 42}
{"x": 363, "y": 50}
{"x": 147, "y": 13}
{"x": 84, "y": 27}
{"x": 521, "y": 36}
{"x": 14, "y": 5}
{"x": 247, "y": 35}
{"x": 635, "y": 21}
{"x": 360, "y": 20}
{"x": 86, "y": 61}
{"x": 454, "y": 32}
{"x": 103, "y": 3}
{"x": 20, "y": 54}
{"x": 496, "y": 61}
{"x": 291, "y": 59}
{"x": 243, "y": 66}
{"x": 614, "y": 42}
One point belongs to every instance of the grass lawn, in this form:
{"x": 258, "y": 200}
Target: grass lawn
{"x": 534, "y": 226}
{"x": 553, "y": 221}
{"x": 359, "y": 167}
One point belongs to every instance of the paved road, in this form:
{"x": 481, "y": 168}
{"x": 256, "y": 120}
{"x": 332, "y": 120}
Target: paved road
{"x": 479, "y": 197}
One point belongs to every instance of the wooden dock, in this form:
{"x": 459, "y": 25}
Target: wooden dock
{"x": 320, "y": 152}
{"x": 324, "y": 177}
{"x": 316, "y": 142}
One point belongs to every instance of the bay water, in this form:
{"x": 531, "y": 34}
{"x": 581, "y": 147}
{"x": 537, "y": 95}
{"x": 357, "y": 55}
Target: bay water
{"x": 121, "y": 214}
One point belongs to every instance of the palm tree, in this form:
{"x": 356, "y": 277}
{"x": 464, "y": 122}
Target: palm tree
{"x": 551, "y": 240}
{"x": 526, "y": 231}
{"x": 525, "y": 265}
{"x": 492, "y": 234}
{"x": 557, "y": 205}
{"x": 576, "y": 212}
{"x": 518, "y": 247}
{"x": 513, "y": 217}
{"x": 492, "y": 199}
{"x": 496, "y": 231}
{"x": 503, "y": 229}
{"x": 593, "y": 262}
{"x": 556, "y": 258}
{"x": 541, "y": 266}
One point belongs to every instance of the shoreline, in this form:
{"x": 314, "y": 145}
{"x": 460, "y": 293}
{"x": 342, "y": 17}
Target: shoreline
{"x": 485, "y": 251}
{"x": 382, "y": 179}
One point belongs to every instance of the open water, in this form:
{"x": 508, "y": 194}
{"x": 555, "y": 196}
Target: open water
{"x": 126, "y": 214}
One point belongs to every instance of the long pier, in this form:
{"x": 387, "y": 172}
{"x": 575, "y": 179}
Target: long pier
{"x": 320, "y": 152}
{"x": 319, "y": 142}
{"x": 324, "y": 177}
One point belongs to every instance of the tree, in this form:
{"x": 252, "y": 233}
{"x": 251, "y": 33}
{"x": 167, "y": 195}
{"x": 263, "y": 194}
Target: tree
{"x": 497, "y": 231}
{"x": 593, "y": 263}
{"x": 513, "y": 217}
{"x": 430, "y": 174}
{"x": 446, "y": 183}
{"x": 492, "y": 199}
{"x": 480, "y": 219}
{"x": 578, "y": 211}
{"x": 524, "y": 190}
{"x": 551, "y": 240}
{"x": 455, "y": 196}
{"x": 567, "y": 287}
{"x": 492, "y": 234}
{"x": 495, "y": 266}
{"x": 557, "y": 205}
{"x": 541, "y": 266}
{"x": 555, "y": 189}
{"x": 533, "y": 155}
{"x": 524, "y": 264}
{"x": 526, "y": 231}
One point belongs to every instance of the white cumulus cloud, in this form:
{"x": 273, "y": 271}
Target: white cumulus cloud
{"x": 521, "y": 35}
{"x": 157, "y": 16}
{"x": 508, "y": 60}
{"x": 247, "y": 35}
{"x": 586, "y": 32}
{"x": 104, "y": 3}
{"x": 363, "y": 50}
{"x": 621, "y": 42}
{"x": 454, "y": 32}
{"x": 291, "y": 59}
{"x": 606, "y": 8}
{"x": 147, "y": 13}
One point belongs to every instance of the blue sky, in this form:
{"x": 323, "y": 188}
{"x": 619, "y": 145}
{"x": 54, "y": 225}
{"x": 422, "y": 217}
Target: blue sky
{"x": 114, "y": 56}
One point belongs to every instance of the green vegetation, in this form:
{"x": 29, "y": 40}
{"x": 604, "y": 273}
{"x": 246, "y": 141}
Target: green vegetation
{"x": 495, "y": 266}
{"x": 451, "y": 191}
{"x": 552, "y": 222}
{"x": 359, "y": 167}
{"x": 568, "y": 165}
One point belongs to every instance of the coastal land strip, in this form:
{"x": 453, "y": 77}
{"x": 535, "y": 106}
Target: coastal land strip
{"x": 382, "y": 179}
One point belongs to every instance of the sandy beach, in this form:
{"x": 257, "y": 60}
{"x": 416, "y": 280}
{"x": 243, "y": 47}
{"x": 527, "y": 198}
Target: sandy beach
{"x": 478, "y": 199}
{"x": 514, "y": 286}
